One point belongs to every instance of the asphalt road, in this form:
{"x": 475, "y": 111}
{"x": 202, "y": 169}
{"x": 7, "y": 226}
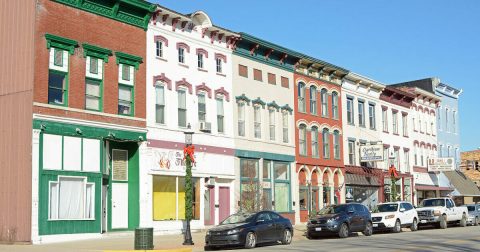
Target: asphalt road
{"x": 427, "y": 239}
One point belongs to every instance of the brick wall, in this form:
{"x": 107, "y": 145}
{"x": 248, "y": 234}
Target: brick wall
{"x": 85, "y": 27}
{"x": 471, "y": 172}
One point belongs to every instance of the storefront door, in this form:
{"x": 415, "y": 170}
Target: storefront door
{"x": 224, "y": 203}
{"x": 209, "y": 206}
{"x": 119, "y": 204}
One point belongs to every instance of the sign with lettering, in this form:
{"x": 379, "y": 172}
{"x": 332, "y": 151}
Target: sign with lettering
{"x": 370, "y": 153}
{"x": 169, "y": 160}
{"x": 441, "y": 164}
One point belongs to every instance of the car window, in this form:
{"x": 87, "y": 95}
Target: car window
{"x": 275, "y": 216}
{"x": 449, "y": 203}
{"x": 264, "y": 217}
{"x": 358, "y": 208}
{"x": 408, "y": 206}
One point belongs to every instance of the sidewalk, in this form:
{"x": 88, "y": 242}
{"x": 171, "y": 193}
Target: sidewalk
{"x": 125, "y": 241}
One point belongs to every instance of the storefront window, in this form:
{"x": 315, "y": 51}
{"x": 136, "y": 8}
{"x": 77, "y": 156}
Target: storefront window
{"x": 407, "y": 190}
{"x": 169, "y": 198}
{"x": 303, "y": 198}
{"x": 249, "y": 195}
{"x": 326, "y": 196}
{"x": 282, "y": 186}
{"x": 367, "y": 196}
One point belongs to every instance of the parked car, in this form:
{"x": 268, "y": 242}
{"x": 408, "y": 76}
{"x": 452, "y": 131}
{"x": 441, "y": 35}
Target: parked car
{"x": 341, "y": 219}
{"x": 395, "y": 215}
{"x": 473, "y": 214}
{"x": 441, "y": 211}
{"x": 250, "y": 229}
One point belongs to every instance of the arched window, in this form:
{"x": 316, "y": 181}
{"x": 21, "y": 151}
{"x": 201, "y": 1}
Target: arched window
{"x": 301, "y": 97}
{"x": 326, "y": 143}
{"x": 336, "y": 144}
{"x": 302, "y": 139}
{"x": 335, "y": 105}
{"x": 314, "y": 134}
{"x": 313, "y": 100}
{"x": 324, "y": 97}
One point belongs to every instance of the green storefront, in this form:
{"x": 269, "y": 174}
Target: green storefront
{"x": 88, "y": 178}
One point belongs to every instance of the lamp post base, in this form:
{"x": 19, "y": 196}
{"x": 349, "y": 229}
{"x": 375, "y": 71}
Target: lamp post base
{"x": 188, "y": 235}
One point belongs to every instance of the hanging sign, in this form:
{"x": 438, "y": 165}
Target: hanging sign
{"x": 370, "y": 153}
{"x": 440, "y": 164}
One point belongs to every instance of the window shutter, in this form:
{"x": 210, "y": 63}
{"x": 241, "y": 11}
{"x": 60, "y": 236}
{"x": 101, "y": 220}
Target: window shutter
{"x": 120, "y": 165}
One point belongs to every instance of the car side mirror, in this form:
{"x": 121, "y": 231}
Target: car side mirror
{"x": 402, "y": 210}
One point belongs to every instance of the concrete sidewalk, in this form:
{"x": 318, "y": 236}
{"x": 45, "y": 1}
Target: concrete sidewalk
{"x": 125, "y": 241}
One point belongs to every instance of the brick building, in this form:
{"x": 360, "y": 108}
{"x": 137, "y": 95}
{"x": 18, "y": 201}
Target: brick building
{"x": 470, "y": 165}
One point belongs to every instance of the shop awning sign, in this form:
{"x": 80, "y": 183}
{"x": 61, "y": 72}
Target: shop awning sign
{"x": 370, "y": 153}
{"x": 441, "y": 164}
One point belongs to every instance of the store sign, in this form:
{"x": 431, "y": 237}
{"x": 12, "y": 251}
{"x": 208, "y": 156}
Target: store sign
{"x": 370, "y": 153}
{"x": 169, "y": 160}
{"x": 441, "y": 164}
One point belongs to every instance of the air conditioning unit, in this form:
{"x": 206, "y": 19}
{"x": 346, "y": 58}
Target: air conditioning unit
{"x": 205, "y": 126}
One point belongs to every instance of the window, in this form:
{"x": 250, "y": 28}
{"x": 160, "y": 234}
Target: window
{"x": 324, "y": 97}
{"x": 301, "y": 97}
{"x": 202, "y": 108}
{"x": 439, "y": 113}
{"x": 243, "y": 71}
{"x": 351, "y": 152}
{"x": 405, "y": 124}
{"x": 395, "y": 122}
{"x": 257, "y": 75}
{"x": 257, "y": 123}
{"x": 220, "y": 115}
{"x": 272, "y": 79}
{"x": 219, "y": 65}
{"x": 58, "y": 57}
{"x": 241, "y": 118}
{"x": 448, "y": 151}
{"x": 125, "y": 100}
{"x": 415, "y": 154}
{"x": 282, "y": 186}
{"x": 440, "y": 150}
{"x": 182, "y": 108}
{"x": 420, "y": 123}
{"x": 406, "y": 160}
{"x": 446, "y": 119}
{"x": 271, "y": 116}
{"x": 93, "y": 94}
{"x": 326, "y": 143}
{"x": 454, "y": 121}
{"x": 200, "y": 60}
{"x": 314, "y": 136}
{"x": 93, "y": 65}
{"x": 126, "y": 72}
{"x": 302, "y": 139}
{"x": 335, "y": 105}
{"x": 160, "y": 104}
{"x": 57, "y": 88}
{"x": 396, "y": 161}
{"x": 169, "y": 198}
{"x": 284, "y": 81}
{"x": 421, "y": 156}
{"x": 313, "y": 100}
{"x": 285, "y": 126}
{"x": 385, "y": 120}
{"x": 71, "y": 198}
{"x": 350, "y": 118}
{"x": 159, "y": 48}
{"x": 181, "y": 55}
{"x": 336, "y": 144}
{"x": 361, "y": 113}
{"x": 249, "y": 187}
{"x": 385, "y": 157}
{"x": 371, "y": 116}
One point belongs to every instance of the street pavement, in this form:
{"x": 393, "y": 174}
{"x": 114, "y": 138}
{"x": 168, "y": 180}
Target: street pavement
{"x": 428, "y": 239}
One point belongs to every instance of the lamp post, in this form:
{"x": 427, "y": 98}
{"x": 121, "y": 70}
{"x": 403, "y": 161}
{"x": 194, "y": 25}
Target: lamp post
{"x": 393, "y": 178}
{"x": 188, "y": 153}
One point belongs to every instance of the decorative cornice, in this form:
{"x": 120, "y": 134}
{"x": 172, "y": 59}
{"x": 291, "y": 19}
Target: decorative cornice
{"x": 244, "y": 98}
{"x": 61, "y": 43}
{"x": 96, "y": 51}
{"x": 161, "y": 38}
{"x": 183, "y": 82}
{"x": 202, "y": 51}
{"x": 273, "y": 104}
{"x": 128, "y": 59}
{"x": 205, "y": 88}
{"x": 223, "y": 92}
{"x": 287, "y": 108}
{"x": 221, "y": 56}
{"x": 132, "y": 12}
{"x": 184, "y": 45}
{"x": 164, "y": 79}
{"x": 259, "y": 101}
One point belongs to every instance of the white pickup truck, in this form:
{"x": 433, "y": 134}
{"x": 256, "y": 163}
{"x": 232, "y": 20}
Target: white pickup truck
{"x": 441, "y": 211}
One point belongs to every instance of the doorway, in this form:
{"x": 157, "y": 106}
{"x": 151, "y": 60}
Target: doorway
{"x": 224, "y": 203}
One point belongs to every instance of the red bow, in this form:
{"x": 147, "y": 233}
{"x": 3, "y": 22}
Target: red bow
{"x": 392, "y": 171}
{"x": 189, "y": 151}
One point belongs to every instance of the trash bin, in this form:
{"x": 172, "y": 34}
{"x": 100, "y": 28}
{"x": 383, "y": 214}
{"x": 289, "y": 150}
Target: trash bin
{"x": 143, "y": 238}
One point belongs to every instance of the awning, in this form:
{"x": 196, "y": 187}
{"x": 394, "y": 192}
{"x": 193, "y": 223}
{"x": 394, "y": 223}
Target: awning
{"x": 462, "y": 183}
{"x": 361, "y": 180}
{"x": 431, "y": 188}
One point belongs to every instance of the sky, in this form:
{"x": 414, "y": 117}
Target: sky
{"x": 388, "y": 41}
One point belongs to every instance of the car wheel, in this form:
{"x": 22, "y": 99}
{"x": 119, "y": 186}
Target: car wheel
{"x": 463, "y": 221}
{"x": 475, "y": 222}
{"x": 414, "y": 226}
{"x": 344, "y": 231}
{"x": 287, "y": 237}
{"x": 443, "y": 222}
{"x": 250, "y": 240}
{"x": 398, "y": 227}
{"x": 368, "y": 229}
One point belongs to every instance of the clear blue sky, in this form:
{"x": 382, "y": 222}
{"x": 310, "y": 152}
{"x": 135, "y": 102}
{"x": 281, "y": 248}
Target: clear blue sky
{"x": 389, "y": 41}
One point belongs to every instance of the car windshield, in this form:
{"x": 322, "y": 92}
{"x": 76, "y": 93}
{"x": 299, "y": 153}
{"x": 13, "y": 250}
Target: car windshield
{"x": 432, "y": 203}
{"x": 333, "y": 209}
{"x": 471, "y": 208}
{"x": 238, "y": 218}
{"x": 386, "y": 208}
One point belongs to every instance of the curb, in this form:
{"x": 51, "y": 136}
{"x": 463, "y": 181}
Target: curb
{"x": 156, "y": 250}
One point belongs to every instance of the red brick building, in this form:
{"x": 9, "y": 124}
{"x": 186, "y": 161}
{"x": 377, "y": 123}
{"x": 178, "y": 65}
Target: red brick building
{"x": 318, "y": 137}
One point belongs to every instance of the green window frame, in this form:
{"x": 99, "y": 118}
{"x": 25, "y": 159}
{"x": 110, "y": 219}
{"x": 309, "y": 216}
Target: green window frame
{"x": 88, "y": 95}
{"x": 250, "y": 198}
{"x": 93, "y": 65}
{"x": 52, "y": 75}
{"x": 122, "y": 102}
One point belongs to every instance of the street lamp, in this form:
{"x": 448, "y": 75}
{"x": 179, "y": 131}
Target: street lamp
{"x": 188, "y": 153}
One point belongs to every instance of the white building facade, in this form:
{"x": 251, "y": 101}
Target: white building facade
{"x": 189, "y": 84}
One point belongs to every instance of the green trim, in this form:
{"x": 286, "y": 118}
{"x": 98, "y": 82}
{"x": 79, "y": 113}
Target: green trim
{"x": 60, "y": 42}
{"x": 87, "y": 131}
{"x": 270, "y": 63}
{"x": 133, "y": 12}
{"x": 132, "y": 99}
{"x": 100, "y": 102}
{"x": 65, "y": 93}
{"x": 244, "y": 98}
{"x": 258, "y": 101}
{"x": 273, "y": 104}
{"x": 277, "y": 48}
{"x": 264, "y": 155}
{"x": 96, "y": 51}
{"x": 128, "y": 59}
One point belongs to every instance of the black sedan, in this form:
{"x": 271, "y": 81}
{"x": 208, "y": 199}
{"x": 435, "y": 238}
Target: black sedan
{"x": 341, "y": 219}
{"x": 250, "y": 229}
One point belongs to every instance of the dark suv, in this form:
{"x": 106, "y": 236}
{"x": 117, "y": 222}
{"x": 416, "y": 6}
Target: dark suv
{"x": 341, "y": 219}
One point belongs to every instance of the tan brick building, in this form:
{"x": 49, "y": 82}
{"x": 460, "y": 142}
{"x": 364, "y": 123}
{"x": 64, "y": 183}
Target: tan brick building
{"x": 470, "y": 165}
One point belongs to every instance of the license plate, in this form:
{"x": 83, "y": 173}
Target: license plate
{"x": 423, "y": 221}
{"x": 318, "y": 229}
{"x": 375, "y": 225}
